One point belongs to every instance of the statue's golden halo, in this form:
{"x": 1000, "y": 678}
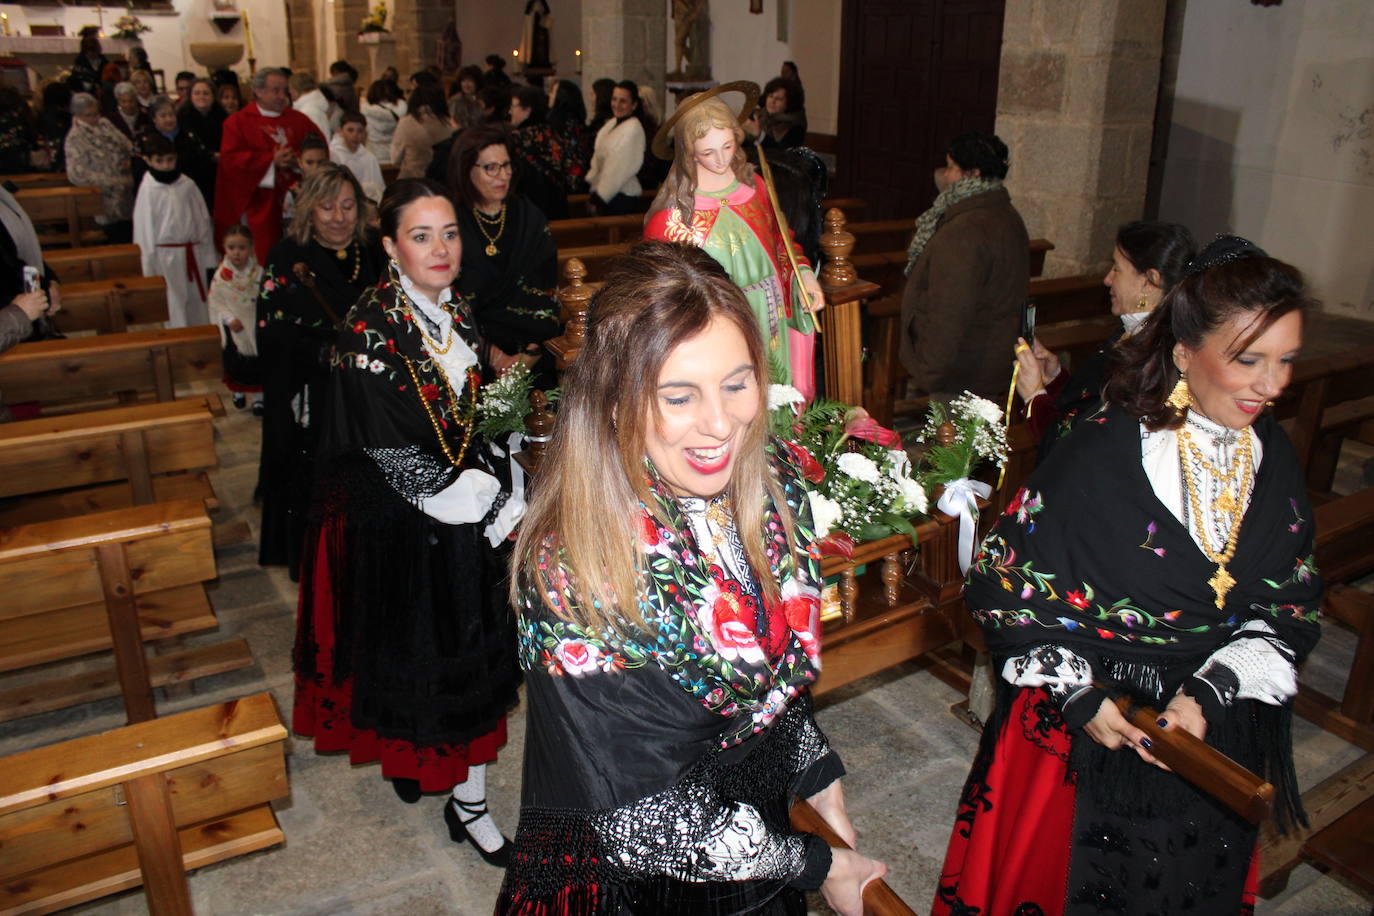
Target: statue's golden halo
{"x": 663, "y": 140}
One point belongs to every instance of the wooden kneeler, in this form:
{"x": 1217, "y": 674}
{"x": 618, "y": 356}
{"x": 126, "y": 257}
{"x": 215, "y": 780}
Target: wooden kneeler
{"x": 139, "y": 805}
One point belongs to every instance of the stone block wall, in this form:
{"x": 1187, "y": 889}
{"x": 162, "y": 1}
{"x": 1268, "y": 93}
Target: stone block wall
{"x": 301, "y": 17}
{"x": 624, "y": 39}
{"x": 1075, "y": 105}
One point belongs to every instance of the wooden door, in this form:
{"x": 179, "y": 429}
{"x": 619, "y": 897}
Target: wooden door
{"x": 914, "y": 74}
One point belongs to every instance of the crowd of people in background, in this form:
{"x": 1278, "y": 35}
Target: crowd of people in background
{"x": 363, "y": 316}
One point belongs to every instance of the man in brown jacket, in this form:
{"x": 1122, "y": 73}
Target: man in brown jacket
{"x": 968, "y": 274}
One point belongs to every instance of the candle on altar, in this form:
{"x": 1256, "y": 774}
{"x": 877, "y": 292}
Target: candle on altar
{"x": 5, "y": 22}
{"x": 247, "y": 34}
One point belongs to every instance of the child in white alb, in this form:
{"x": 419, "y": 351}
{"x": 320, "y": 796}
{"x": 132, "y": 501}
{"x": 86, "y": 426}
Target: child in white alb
{"x": 233, "y": 305}
{"x": 173, "y": 231}
{"x": 349, "y": 148}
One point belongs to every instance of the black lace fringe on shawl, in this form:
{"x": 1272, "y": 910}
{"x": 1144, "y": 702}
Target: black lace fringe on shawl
{"x": 426, "y": 668}
{"x": 570, "y": 862}
{"x": 1256, "y": 735}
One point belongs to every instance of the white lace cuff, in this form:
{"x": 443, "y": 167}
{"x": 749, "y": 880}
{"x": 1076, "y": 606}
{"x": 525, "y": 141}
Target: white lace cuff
{"x": 1255, "y": 665}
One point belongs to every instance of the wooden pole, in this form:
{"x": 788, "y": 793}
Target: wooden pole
{"x": 879, "y": 899}
{"x": 1203, "y": 765}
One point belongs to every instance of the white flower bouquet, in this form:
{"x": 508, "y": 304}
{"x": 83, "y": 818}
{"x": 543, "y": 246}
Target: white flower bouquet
{"x": 861, "y": 483}
{"x": 978, "y": 436}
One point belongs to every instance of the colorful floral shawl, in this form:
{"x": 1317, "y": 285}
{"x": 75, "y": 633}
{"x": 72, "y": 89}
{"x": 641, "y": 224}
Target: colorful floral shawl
{"x": 701, "y": 627}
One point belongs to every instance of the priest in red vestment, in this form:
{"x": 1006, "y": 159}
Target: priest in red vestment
{"x": 257, "y": 163}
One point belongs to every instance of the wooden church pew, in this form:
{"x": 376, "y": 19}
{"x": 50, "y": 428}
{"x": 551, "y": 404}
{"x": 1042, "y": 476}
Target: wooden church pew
{"x": 65, "y": 466}
{"x": 98, "y": 262}
{"x": 140, "y": 804}
{"x": 27, "y": 180}
{"x": 109, "y": 580}
{"x": 66, "y": 375}
{"x": 63, "y": 215}
{"x": 111, "y": 306}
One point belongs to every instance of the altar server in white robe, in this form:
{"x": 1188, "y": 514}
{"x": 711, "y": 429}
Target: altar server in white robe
{"x": 173, "y": 231}
{"x": 349, "y": 148}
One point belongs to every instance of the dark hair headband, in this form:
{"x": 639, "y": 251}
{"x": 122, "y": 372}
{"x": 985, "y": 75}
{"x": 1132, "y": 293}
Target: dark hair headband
{"x": 1223, "y": 250}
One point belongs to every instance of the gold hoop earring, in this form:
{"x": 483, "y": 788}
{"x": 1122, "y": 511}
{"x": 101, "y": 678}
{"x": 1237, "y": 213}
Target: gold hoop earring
{"x": 1181, "y": 398}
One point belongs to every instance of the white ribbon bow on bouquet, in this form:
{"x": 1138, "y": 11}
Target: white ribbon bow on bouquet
{"x": 961, "y": 498}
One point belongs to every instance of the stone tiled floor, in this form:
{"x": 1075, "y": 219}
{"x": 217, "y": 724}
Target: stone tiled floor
{"x": 353, "y": 848}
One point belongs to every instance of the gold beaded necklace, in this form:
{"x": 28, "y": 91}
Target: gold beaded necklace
{"x": 469, "y": 416}
{"x": 1222, "y": 581}
{"x": 482, "y": 220}
{"x": 431, "y": 344}
{"x": 344, "y": 252}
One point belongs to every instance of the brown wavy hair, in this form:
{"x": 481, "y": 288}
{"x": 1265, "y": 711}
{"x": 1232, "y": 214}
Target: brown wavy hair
{"x": 585, "y": 511}
{"x": 1143, "y": 372}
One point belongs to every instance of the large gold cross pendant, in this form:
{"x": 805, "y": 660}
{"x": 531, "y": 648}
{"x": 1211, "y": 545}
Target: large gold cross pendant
{"x": 1221, "y": 584}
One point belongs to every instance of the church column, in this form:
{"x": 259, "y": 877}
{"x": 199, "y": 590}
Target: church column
{"x": 417, "y": 25}
{"x": 348, "y": 17}
{"x": 624, "y": 39}
{"x": 300, "y": 16}
{"x": 1075, "y": 105}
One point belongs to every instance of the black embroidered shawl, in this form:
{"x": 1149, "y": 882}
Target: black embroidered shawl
{"x": 1085, "y": 556}
{"x": 414, "y": 610}
{"x": 512, "y": 291}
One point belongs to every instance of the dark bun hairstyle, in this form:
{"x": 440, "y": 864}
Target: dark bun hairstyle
{"x": 984, "y": 152}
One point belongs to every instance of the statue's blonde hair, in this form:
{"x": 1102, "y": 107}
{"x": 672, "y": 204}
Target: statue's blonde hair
{"x": 676, "y": 190}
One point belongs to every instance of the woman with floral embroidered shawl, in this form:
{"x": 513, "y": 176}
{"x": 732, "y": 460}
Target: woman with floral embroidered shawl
{"x": 713, "y": 199}
{"x": 310, "y": 278}
{"x": 670, "y": 724}
{"x": 1162, "y": 552}
{"x": 405, "y": 645}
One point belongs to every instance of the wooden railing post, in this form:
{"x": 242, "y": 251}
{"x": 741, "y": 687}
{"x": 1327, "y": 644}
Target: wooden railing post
{"x": 842, "y": 318}
{"x": 575, "y": 299}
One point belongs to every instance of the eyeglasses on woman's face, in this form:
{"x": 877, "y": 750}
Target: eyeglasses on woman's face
{"x": 495, "y": 168}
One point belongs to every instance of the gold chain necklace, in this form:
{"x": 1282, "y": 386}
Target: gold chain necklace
{"x": 482, "y": 220}
{"x": 1221, "y": 581}
{"x": 431, "y": 344}
{"x": 467, "y": 421}
{"x": 344, "y": 252}
{"x": 1225, "y": 502}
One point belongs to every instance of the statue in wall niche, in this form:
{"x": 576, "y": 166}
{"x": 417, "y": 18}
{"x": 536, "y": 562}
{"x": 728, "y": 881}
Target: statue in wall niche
{"x": 690, "y": 24}
{"x": 534, "y": 40}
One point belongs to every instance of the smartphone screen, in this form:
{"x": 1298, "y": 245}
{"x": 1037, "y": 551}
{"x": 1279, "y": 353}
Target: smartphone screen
{"x": 1028, "y": 322}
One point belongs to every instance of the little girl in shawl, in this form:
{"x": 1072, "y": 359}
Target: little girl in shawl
{"x": 233, "y": 299}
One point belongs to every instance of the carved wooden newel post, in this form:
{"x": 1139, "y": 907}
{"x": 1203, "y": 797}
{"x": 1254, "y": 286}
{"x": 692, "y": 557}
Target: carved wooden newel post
{"x": 842, "y": 318}
{"x": 575, "y": 298}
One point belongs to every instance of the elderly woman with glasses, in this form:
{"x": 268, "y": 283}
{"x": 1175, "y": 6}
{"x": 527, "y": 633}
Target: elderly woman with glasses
{"x": 510, "y": 264}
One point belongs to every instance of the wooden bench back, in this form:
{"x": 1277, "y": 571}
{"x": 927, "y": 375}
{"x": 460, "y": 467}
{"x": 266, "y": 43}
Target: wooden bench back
{"x": 94, "y": 368}
{"x": 1068, "y": 298}
{"x": 24, "y": 180}
{"x": 53, "y": 565}
{"x": 110, "y": 306}
{"x": 98, "y": 262}
{"x": 123, "y": 443}
{"x": 63, "y": 215}
{"x": 76, "y": 817}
